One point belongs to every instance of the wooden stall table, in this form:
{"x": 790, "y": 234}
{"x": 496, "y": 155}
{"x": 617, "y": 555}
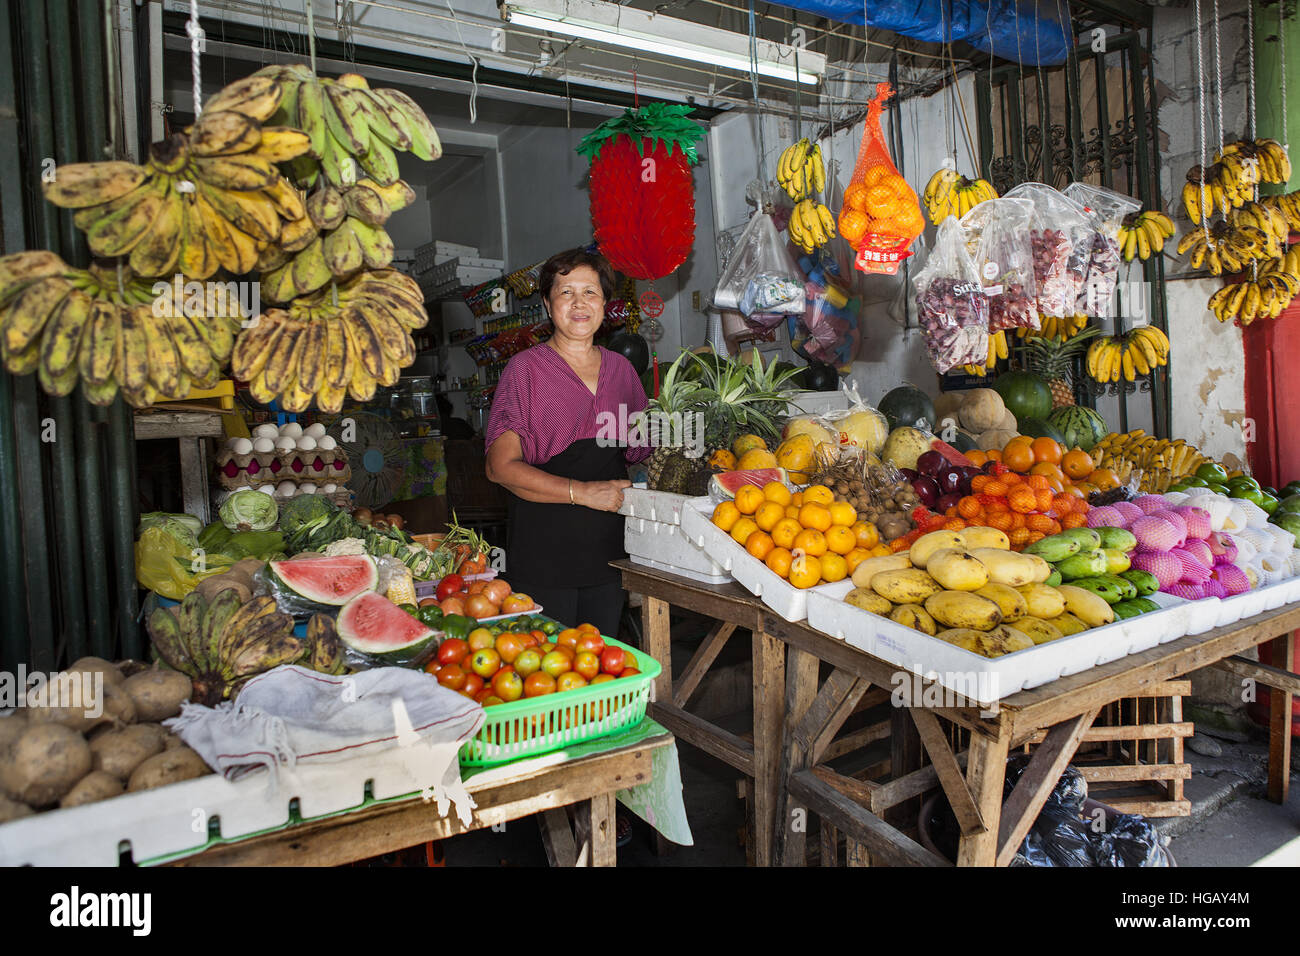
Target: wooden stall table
{"x": 543, "y": 785}
{"x": 732, "y": 607}
{"x": 973, "y": 780}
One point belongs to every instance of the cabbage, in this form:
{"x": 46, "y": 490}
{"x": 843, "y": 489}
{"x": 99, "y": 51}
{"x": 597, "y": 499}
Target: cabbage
{"x": 183, "y": 527}
{"x": 249, "y": 510}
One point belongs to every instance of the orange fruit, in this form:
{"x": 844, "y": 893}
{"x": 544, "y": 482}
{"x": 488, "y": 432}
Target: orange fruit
{"x": 1043, "y": 499}
{"x": 1047, "y": 469}
{"x": 977, "y": 457}
{"x": 909, "y": 219}
{"x": 856, "y": 557}
{"x": 1077, "y": 463}
{"x": 742, "y": 529}
{"x": 815, "y": 516}
{"x": 796, "y": 499}
{"x": 805, "y": 571}
{"x": 768, "y": 514}
{"x": 840, "y": 539}
{"x": 882, "y": 550}
{"x": 1019, "y": 538}
{"x": 1073, "y": 520}
{"x": 1036, "y": 480}
{"x": 792, "y": 512}
{"x": 1104, "y": 479}
{"x": 778, "y": 560}
{"x": 855, "y": 197}
{"x": 842, "y": 513}
{"x": 853, "y": 225}
{"x": 1000, "y": 520}
{"x": 867, "y": 534}
{"x": 1046, "y": 449}
{"x": 834, "y": 567}
{"x": 810, "y": 541}
{"x": 776, "y": 491}
{"x": 876, "y": 174}
{"x": 748, "y": 499}
{"x": 785, "y": 532}
{"x": 725, "y": 515}
{"x": 969, "y": 507}
{"x": 1022, "y": 500}
{"x": 1018, "y": 456}
{"x": 759, "y": 544}
{"x": 818, "y": 495}
{"x": 993, "y": 454}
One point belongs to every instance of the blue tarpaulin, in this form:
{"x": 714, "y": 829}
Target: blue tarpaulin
{"x": 1033, "y": 32}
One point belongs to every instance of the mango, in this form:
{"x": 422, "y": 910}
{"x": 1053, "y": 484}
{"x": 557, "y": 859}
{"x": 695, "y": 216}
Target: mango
{"x": 1053, "y": 548}
{"x": 868, "y": 600}
{"x": 957, "y": 570}
{"x": 1085, "y": 564}
{"x": 980, "y": 536}
{"x": 915, "y": 617}
{"x": 964, "y": 609}
{"x": 908, "y": 586}
{"x": 928, "y": 544}
{"x": 1117, "y": 561}
{"x": 1145, "y": 582}
{"x": 992, "y": 643}
{"x": 1042, "y": 568}
{"x": 1038, "y": 630}
{"x": 1007, "y": 567}
{"x": 1089, "y": 538}
{"x": 1042, "y": 600}
{"x": 1121, "y": 539}
{"x": 1093, "y": 610}
{"x": 1105, "y": 588}
{"x": 1068, "y": 624}
{"x": 1010, "y": 602}
{"x": 1053, "y": 579}
{"x": 869, "y": 568}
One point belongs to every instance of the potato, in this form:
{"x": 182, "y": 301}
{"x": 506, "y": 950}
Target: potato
{"x": 44, "y": 764}
{"x": 170, "y": 766}
{"x": 171, "y": 742}
{"x": 11, "y": 728}
{"x": 98, "y": 665}
{"x": 94, "y": 786}
{"x": 12, "y": 810}
{"x": 158, "y": 694}
{"x": 250, "y": 566}
{"x": 239, "y": 583}
{"x": 73, "y": 699}
{"x": 120, "y": 752}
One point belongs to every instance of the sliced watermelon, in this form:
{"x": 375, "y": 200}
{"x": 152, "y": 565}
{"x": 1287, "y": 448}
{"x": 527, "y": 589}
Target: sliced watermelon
{"x": 332, "y": 581}
{"x": 374, "y": 626}
{"x": 950, "y": 454}
{"x": 727, "y": 483}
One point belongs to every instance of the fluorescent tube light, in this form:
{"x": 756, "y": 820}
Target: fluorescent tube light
{"x": 645, "y": 32}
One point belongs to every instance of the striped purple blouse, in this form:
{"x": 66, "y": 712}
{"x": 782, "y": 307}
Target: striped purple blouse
{"x": 548, "y": 406}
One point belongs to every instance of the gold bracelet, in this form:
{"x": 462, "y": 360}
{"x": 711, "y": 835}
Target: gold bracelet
{"x": 571, "y": 501}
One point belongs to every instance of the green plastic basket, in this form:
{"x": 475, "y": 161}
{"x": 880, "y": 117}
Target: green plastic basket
{"x": 528, "y": 727}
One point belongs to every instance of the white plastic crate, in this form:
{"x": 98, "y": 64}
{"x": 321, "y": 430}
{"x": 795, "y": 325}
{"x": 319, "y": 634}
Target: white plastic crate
{"x": 773, "y": 590}
{"x": 990, "y": 679}
{"x": 653, "y": 536}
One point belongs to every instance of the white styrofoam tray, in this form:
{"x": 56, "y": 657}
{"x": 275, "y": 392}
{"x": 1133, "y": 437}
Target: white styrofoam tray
{"x": 663, "y": 506}
{"x": 171, "y": 820}
{"x": 769, "y": 587}
{"x": 990, "y": 679}
{"x": 665, "y": 546}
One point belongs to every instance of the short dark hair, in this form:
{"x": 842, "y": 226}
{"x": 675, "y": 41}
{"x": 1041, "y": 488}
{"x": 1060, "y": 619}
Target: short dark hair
{"x": 562, "y": 263}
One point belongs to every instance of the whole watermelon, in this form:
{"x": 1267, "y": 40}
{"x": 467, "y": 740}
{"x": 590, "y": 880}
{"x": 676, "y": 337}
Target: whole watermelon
{"x": 1037, "y": 428}
{"x": 905, "y": 406}
{"x": 1025, "y": 394}
{"x": 1079, "y": 427}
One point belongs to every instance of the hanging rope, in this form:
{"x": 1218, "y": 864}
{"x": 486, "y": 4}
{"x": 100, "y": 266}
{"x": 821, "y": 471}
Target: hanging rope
{"x": 1250, "y": 75}
{"x": 311, "y": 34}
{"x": 1201, "y": 108}
{"x": 196, "y": 43}
{"x": 1281, "y": 39}
{"x": 1218, "y": 77}
{"x": 753, "y": 85}
{"x": 473, "y": 75}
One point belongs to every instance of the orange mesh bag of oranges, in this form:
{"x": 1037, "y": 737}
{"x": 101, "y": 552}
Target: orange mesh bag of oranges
{"x": 881, "y": 216}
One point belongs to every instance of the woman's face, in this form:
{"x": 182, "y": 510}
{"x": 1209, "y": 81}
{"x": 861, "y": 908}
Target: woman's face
{"x": 577, "y": 303}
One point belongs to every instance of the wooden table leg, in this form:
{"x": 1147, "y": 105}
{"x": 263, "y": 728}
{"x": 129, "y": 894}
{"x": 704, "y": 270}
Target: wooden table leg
{"x": 557, "y": 837}
{"x": 769, "y": 705}
{"x": 1279, "y": 724}
{"x": 597, "y": 839}
{"x": 986, "y": 769}
{"x": 658, "y": 644}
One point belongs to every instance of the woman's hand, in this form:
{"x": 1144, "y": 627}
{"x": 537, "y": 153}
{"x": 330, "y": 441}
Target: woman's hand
{"x": 600, "y": 495}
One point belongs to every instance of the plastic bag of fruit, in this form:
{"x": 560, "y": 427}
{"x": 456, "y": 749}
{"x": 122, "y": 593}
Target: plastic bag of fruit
{"x": 997, "y": 236}
{"x": 1060, "y": 238}
{"x": 827, "y": 331}
{"x": 761, "y": 276}
{"x": 951, "y": 306}
{"x": 881, "y": 216}
{"x": 1106, "y": 210}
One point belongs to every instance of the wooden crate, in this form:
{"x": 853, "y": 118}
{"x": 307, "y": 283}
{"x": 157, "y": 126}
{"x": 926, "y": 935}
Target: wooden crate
{"x": 1132, "y": 756}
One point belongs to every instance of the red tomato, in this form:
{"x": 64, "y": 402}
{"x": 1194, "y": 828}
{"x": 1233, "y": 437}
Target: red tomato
{"x": 517, "y": 604}
{"x": 587, "y": 664}
{"x": 473, "y": 684}
{"x": 570, "y": 680}
{"x": 528, "y": 662}
{"x": 629, "y": 660}
{"x": 449, "y": 586}
{"x": 425, "y": 602}
{"x": 491, "y": 700}
{"x": 477, "y": 606}
{"x": 510, "y": 646}
{"x": 476, "y": 587}
{"x": 613, "y": 660}
{"x": 628, "y": 672}
{"x": 452, "y": 605}
{"x": 538, "y": 684}
{"x": 602, "y": 678}
{"x": 591, "y": 642}
{"x": 452, "y": 651}
{"x": 496, "y": 591}
{"x": 451, "y": 676}
{"x": 508, "y": 685}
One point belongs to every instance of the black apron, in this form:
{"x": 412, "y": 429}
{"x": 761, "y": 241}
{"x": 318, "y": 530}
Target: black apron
{"x": 564, "y": 545}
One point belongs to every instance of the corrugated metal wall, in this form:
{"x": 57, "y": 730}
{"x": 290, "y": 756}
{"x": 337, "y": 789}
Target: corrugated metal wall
{"x": 67, "y": 468}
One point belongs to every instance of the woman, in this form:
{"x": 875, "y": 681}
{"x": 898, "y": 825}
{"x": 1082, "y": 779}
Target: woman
{"x": 549, "y": 444}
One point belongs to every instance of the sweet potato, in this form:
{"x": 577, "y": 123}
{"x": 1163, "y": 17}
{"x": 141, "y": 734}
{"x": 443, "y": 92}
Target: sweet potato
{"x": 12, "y": 810}
{"x": 94, "y": 786}
{"x": 170, "y": 766}
{"x": 44, "y": 764}
{"x": 158, "y": 694}
{"x": 121, "y": 751}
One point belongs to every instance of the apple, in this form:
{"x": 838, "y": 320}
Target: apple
{"x": 947, "y": 501}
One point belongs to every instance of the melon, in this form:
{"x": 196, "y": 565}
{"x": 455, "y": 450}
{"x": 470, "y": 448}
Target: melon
{"x": 1037, "y": 428}
{"x": 726, "y": 484}
{"x": 809, "y": 425}
{"x": 982, "y": 410}
{"x": 332, "y": 581}
{"x": 866, "y": 428}
{"x": 1027, "y": 395}
{"x": 907, "y": 406}
{"x": 1079, "y": 427}
{"x": 376, "y": 627}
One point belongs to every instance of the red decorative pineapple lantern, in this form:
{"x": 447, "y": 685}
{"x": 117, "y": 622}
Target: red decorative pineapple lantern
{"x": 642, "y": 193}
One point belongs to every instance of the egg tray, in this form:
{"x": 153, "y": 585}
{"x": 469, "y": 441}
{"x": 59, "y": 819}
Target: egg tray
{"x": 259, "y": 468}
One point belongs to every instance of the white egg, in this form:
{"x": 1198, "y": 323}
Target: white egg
{"x": 307, "y": 488}
{"x": 306, "y": 443}
{"x": 327, "y": 443}
{"x": 266, "y": 431}
{"x": 330, "y": 488}
{"x": 241, "y": 446}
{"x": 315, "y": 431}
{"x": 267, "y": 490}
{"x": 291, "y": 429}
{"x": 285, "y": 443}
{"x": 285, "y": 489}
{"x": 263, "y": 445}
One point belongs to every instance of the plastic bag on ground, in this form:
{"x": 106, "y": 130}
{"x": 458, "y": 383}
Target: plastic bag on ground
{"x": 1129, "y": 841}
{"x": 951, "y": 306}
{"x": 1060, "y": 237}
{"x": 1106, "y": 210}
{"x": 761, "y": 276}
{"x": 997, "y": 236}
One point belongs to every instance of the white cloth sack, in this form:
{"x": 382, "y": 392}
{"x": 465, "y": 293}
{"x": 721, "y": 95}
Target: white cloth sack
{"x": 291, "y": 715}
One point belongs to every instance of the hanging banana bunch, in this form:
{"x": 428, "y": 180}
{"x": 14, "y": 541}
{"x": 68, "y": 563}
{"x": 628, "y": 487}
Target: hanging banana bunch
{"x": 802, "y": 174}
{"x": 1230, "y": 246}
{"x": 1130, "y": 355}
{"x": 1260, "y": 161}
{"x": 1051, "y": 327}
{"x": 1275, "y": 285}
{"x": 1143, "y": 234}
{"x": 948, "y": 193}
{"x": 997, "y": 350}
{"x": 1288, "y": 205}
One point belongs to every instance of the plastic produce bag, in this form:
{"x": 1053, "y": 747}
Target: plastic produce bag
{"x": 881, "y": 216}
{"x": 1060, "y": 237}
{"x": 997, "y": 236}
{"x": 171, "y": 566}
{"x": 950, "y": 302}
{"x": 828, "y": 330}
{"x": 1106, "y": 210}
{"x": 761, "y": 276}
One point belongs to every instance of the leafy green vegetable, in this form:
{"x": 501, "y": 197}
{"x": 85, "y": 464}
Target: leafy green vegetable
{"x": 249, "y": 510}
{"x": 170, "y": 522}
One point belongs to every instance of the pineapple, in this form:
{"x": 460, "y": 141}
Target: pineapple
{"x": 677, "y": 395}
{"x": 1051, "y": 359}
